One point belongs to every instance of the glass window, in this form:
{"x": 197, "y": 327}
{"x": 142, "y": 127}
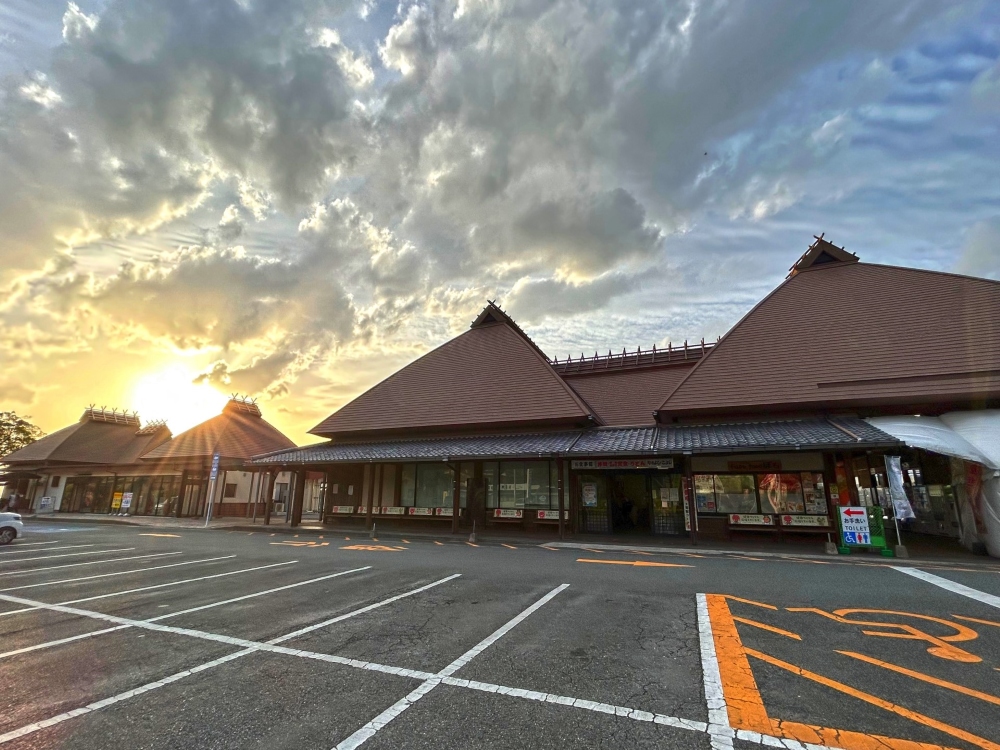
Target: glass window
{"x": 408, "y": 484}
{"x": 435, "y": 486}
{"x": 513, "y": 484}
{"x": 781, "y": 493}
{"x": 230, "y": 490}
{"x": 388, "y": 484}
{"x": 704, "y": 492}
{"x": 537, "y": 479}
{"x": 466, "y": 476}
{"x": 491, "y": 471}
{"x": 735, "y": 493}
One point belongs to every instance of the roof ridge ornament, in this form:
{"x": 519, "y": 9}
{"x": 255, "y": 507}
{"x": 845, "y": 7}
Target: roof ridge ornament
{"x": 822, "y": 253}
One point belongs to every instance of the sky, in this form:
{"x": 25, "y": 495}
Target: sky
{"x": 291, "y": 199}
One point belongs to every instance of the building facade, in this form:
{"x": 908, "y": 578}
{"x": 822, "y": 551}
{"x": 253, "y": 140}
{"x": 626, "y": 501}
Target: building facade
{"x": 767, "y": 431}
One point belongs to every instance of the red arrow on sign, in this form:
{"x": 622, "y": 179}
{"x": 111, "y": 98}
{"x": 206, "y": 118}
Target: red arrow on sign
{"x": 852, "y": 512}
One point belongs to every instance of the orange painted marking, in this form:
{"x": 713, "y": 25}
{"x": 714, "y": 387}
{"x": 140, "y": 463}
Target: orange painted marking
{"x": 977, "y": 620}
{"x": 439, "y": 544}
{"x": 471, "y": 544}
{"x": 173, "y": 536}
{"x": 595, "y": 551}
{"x": 924, "y": 677}
{"x": 765, "y": 626}
{"x": 743, "y": 702}
{"x": 639, "y": 552}
{"x": 374, "y": 547}
{"x": 940, "y": 647}
{"x": 874, "y": 700}
{"x": 748, "y": 601}
{"x": 847, "y": 739}
{"x": 405, "y": 541}
{"x": 508, "y": 546}
{"x": 635, "y": 563}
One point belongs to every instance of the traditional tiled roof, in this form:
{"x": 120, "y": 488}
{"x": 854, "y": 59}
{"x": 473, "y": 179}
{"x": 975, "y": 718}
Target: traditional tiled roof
{"x": 526, "y": 445}
{"x": 96, "y": 439}
{"x": 799, "y": 434}
{"x": 492, "y": 376}
{"x": 844, "y": 335}
{"x": 236, "y": 434}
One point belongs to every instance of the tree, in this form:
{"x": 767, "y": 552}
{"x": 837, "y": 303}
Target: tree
{"x": 16, "y": 432}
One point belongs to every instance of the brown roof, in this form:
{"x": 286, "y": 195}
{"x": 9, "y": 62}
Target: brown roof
{"x": 93, "y": 440}
{"x": 629, "y": 396}
{"x": 854, "y": 335}
{"x": 238, "y": 433}
{"x": 492, "y": 375}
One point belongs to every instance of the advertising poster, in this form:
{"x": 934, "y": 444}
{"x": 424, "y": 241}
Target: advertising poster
{"x": 588, "y": 494}
{"x": 126, "y": 500}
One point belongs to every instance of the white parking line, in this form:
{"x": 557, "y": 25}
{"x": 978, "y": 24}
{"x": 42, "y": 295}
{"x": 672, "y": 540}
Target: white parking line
{"x": 118, "y": 573}
{"x": 27, "y": 544}
{"x": 955, "y": 588}
{"x": 156, "y": 586}
{"x": 252, "y": 647}
{"x": 718, "y": 715}
{"x": 125, "y": 622}
{"x": 69, "y": 554}
{"x": 89, "y": 562}
{"x": 370, "y": 729}
{"x": 51, "y": 549}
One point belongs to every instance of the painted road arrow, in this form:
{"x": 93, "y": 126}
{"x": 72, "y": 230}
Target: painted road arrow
{"x": 635, "y": 563}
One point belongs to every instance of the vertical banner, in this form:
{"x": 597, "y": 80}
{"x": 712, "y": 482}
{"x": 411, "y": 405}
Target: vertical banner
{"x": 900, "y": 504}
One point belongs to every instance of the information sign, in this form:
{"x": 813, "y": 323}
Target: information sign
{"x": 215, "y": 467}
{"x": 625, "y": 463}
{"x": 421, "y": 511}
{"x": 45, "y": 504}
{"x": 444, "y": 511}
{"x": 395, "y": 510}
{"x": 116, "y": 501}
{"x": 751, "y": 519}
{"x": 126, "y": 500}
{"x": 854, "y": 527}
{"x": 799, "y": 520}
{"x": 551, "y": 515}
{"x": 342, "y": 509}
{"x": 508, "y": 513}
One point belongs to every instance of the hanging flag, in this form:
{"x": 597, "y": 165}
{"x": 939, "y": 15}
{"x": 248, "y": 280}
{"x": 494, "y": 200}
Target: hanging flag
{"x": 900, "y": 504}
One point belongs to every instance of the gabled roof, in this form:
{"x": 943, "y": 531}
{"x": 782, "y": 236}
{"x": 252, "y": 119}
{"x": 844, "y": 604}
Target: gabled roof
{"x": 628, "y": 396}
{"x": 491, "y": 376}
{"x": 854, "y": 336}
{"x": 98, "y": 438}
{"x": 238, "y": 433}
{"x": 822, "y": 252}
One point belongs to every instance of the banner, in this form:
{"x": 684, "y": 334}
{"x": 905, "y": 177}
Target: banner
{"x": 900, "y": 504}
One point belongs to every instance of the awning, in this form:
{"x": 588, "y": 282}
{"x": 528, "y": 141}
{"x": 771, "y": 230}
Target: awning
{"x": 939, "y": 434}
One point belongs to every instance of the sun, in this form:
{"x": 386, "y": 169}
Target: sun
{"x": 172, "y": 394}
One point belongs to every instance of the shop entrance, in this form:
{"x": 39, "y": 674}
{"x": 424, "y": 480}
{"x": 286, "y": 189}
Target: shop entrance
{"x": 630, "y": 503}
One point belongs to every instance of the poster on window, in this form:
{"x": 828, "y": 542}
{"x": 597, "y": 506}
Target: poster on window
{"x": 588, "y": 494}
{"x": 704, "y": 493}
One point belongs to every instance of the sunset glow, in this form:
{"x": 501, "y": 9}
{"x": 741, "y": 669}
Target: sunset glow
{"x": 172, "y": 394}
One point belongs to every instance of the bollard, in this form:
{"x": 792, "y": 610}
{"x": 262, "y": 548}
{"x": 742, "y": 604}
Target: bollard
{"x": 472, "y": 536}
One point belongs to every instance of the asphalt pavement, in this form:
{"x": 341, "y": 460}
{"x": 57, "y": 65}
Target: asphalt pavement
{"x": 187, "y": 638}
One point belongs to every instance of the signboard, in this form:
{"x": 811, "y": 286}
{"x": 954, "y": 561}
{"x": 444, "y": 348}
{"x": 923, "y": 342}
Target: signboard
{"x": 396, "y": 510}
{"x": 854, "y": 527}
{"x": 794, "y": 520}
{"x": 751, "y": 519}
{"x": 508, "y": 513}
{"x": 754, "y": 467}
{"x": 687, "y": 515}
{"x": 126, "y": 500}
{"x": 116, "y": 501}
{"x": 45, "y": 505}
{"x": 421, "y": 511}
{"x": 625, "y": 463}
{"x": 551, "y": 515}
{"x": 215, "y": 467}
{"x": 342, "y": 509}
{"x": 588, "y": 494}
{"x": 444, "y": 512}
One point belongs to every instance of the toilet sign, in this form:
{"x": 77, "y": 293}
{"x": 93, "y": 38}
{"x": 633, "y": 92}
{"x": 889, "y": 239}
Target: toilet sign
{"x": 854, "y": 526}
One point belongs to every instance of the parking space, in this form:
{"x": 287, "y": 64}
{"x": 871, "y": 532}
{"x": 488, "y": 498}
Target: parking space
{"x": 243, "y": 643}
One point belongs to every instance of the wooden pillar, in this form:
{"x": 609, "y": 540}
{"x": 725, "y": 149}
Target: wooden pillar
{"x": 299, "y": 496}
{"x": 456, "y": 490}
{"x": 268, "y": 497}
{"x": 180, "y": 495}
{"x": 250, "y": 497}
{"x": 327, "y": 496}
{"x": 368, "y": 483}
{"x": 562, "y": 500}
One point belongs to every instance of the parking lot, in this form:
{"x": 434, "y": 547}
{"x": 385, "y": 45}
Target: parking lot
{"x": 216, "y": 639}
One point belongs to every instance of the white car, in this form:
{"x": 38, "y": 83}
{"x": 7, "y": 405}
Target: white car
{"x": 10, "y": 527}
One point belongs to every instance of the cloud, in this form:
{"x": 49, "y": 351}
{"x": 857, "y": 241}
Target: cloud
{"x": 981, "y": 252}
{"x": 533, "y": 300}
{"x": 17, "y": 393}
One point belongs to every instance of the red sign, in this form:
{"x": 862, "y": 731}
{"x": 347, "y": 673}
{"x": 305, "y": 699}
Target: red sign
{"x": 853, "y": 512}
